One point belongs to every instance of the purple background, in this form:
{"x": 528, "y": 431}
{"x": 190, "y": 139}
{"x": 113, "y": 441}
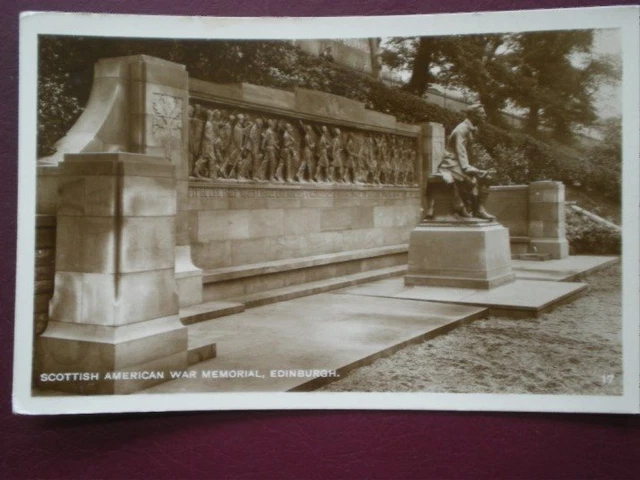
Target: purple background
{"x": 283, "y": 444}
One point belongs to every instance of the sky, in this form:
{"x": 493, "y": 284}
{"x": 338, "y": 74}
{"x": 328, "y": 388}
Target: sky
{"x": 609, "y": 97}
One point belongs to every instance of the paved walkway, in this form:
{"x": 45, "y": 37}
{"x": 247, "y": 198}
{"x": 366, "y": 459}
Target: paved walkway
{"x": 301, "y": 344}
{"x": 277, "y": 347}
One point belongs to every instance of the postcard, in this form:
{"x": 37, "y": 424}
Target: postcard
{"x": 429, "y": 212}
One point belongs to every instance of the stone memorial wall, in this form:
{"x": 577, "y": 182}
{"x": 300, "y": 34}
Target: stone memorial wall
{"x": 298, "y": 184}
{"x": 279, "y": 175}
{"x": 170, "y": 192}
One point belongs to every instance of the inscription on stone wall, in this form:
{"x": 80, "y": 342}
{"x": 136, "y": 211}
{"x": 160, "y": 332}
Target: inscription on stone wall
{"x": 239, "y": 145}
{"x": 200, "y": 192}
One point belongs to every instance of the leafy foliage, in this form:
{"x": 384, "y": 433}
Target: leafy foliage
{"x": 551, "y": 85}
{"x": 553, "y": 75}
{"x": 588, "y": 237}
{"x": 57, "y": 110}
{"x": 66, "y": 67}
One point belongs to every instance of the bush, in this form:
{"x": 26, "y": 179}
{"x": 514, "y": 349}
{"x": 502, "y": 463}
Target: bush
{"x": 591, "y": 238}
{"x": 57, "y": 111}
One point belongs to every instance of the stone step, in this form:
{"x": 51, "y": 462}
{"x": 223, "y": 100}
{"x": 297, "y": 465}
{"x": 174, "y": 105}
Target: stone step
{"x": 536, "y": 257}
{"x": 276, "y": 266}
{"x": 199, "y": 350}
{"x": 208, "y": 311}
{"x": 201, "y": 347}
{"x": 313, "y": 288}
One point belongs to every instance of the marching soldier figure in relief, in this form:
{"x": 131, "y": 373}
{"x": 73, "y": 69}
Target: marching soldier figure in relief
{"x": 322, "y": 155}
{"x": 337, "y": 157}
{"x": 352, "y": 167}
{"x": 306, "y": 169}
{"x": 269, "y": 148}
{"x": 290, "y": 149}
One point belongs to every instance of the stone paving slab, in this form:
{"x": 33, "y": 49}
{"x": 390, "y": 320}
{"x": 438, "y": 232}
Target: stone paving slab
{"x": 326, "y": 332}
{"x": 209, "y": 310}
{"x": 539, "y": 287}
{"x": 349, "y": 328}
{"x": 571, "y": 268}
{"x": 520, "y": 299}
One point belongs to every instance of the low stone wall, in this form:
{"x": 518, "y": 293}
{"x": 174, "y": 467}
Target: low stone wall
{"x": 534, "y": 215}
{"x": 233, "y": 225}
{"x": 510, "y": 204}
{"x": 244, "y": 281}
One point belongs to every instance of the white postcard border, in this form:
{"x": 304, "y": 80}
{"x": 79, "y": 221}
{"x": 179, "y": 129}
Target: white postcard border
{"x": 33, "y": 24}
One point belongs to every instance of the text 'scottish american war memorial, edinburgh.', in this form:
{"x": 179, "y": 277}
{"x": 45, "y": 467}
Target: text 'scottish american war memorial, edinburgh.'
{"x": 271, "y": 216}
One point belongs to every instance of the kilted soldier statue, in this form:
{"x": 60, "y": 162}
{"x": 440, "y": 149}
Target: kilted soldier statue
{"x": 470, "y": 184}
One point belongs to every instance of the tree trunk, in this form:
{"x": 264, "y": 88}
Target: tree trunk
{"x": 420, "y": 75}
{"x": 533, "y": 119}
{"x": 491, "y": 108}
{"x": 374, "y": 51}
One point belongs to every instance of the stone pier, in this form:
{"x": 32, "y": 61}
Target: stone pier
{"x": 137, "y": 104}
{"x": 115, "y": 305}
{"x": 547, "y": 228}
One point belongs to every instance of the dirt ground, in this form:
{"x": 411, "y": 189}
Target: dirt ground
{"x": 575, "y": 349}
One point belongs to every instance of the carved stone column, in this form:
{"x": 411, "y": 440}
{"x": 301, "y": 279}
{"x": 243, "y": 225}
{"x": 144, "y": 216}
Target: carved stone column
{"x": 115, "y": 306}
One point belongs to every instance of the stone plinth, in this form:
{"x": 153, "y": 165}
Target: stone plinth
{"x": 115, "y": 306}
{"x": 465, "y": 255}
{"x": 547, "y": 227}
{"x": 448, "y": 251}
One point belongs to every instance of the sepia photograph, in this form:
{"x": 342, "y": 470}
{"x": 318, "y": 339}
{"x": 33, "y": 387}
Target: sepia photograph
{"x": 414, "y": 212}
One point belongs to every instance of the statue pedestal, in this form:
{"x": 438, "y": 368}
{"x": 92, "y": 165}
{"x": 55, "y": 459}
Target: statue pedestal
{"x": 446, "y": 250}
{"x": 459, "y": 254}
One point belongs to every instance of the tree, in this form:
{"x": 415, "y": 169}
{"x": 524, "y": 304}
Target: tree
{"x": 418, "y": 54}
{"x": 555, "y": 78}
{"x": 479, "y": 63}
{"x": 608, "y": 152}
{"x": 552, "y": 75}
{"x": 474, "y": 62}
